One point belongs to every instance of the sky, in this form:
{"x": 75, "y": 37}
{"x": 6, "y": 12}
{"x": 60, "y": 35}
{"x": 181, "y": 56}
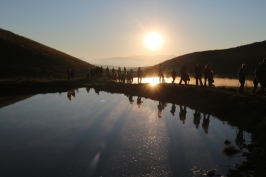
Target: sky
{"x": 116, "y": 28}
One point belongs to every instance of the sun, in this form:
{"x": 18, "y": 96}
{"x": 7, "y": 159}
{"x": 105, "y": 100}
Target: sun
{"x": 153, "y": 40}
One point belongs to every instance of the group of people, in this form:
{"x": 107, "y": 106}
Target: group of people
{"x": 119, "y": 75}
{"x": 94, "y": 72}
{"x": 207, "y": 72}
{"x": 259, "y": 77}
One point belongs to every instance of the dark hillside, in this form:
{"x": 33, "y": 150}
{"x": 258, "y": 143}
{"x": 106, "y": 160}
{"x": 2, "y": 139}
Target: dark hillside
{"x": 25, "y": 58}
{"x": 224, "y": 63}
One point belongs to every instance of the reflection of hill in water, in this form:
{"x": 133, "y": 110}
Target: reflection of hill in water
{"x": 8, "y": 100}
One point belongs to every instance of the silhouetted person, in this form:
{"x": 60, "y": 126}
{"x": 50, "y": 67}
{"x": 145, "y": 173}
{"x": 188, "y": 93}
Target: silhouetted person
{"x": 206, "y": 72}
{"x": 173, "y": 108}
{"x": 197, "y": 118}
{"x": 139, "y": 73}
{"x": 101, "y": 72}
{"x": 130, "y": 98}
{"x": 263, "y": 76}
{"x": 242, "y": 73}
{"x": 113, "y": 71}
{"x": 182, "y": 113}
{"x": 198, "y": 74}
{"x": 131, "y": 75}
{"x": 184, "y": 76}
{"x": 205, "y": 123}
{"x": 107, "y": 72}
{"x": 256, "y": 80}
{"x": 97, "y": 72}
{"x": 173, "y": 73}
{"x": 210, "y": 79}
{"x": 139, "y": 101}
{"x": 160, "y": 73}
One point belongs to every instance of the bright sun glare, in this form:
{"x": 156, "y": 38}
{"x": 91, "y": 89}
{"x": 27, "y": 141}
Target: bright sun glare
{"x": 152, "y": 81}
{"x": 153, "y": 40}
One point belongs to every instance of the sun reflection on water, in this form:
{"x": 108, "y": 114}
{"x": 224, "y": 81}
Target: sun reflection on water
{"x": 152, "y": 80}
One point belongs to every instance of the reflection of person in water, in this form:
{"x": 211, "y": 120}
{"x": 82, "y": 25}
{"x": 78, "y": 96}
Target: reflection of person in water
{"x": 161, "y": 106}
{"x": 182, "y": 113}
{"x": 160, "y": 109}
{"x": 97, "y": 91}
{"x": 88, "y": 89}
{"x": 139, "y": 101}
{"x": 173, "y": 109}
{"x": 239, "y": 138}
{"x": 130, "y": 98}
{"x": 196, "y": 119}
{"x": 205, "y": 123}
{"x": 70, "y": 93}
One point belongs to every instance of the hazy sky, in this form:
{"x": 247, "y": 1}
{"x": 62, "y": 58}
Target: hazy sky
{"x": 90, "y": 29}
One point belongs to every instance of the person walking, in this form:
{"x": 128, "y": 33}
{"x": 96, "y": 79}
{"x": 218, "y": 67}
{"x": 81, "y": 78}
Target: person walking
{"x": 139, "y": 72}
{"x": 198, "y": 74}
{"x": 256, "y": 79}
{"x": 160, "y": 73}
{"x": 173, "y": 73}
{"x": 210, "y": 79}
{"x": 242, "y": 73}
{"x": 184, "y": 75}
{"x": 262, "y": 76}
{"x": 206, "y": 72}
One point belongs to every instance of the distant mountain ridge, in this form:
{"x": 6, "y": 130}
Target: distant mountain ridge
{"x": 224, "y": 63}
{"x": 132, "y": 61}
{"x": 22, "y": 57}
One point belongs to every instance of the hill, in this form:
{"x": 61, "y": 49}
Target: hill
{"x": 224, "y": 63}
{"x": 25, "y": 58}
{"x": 132, "y": 61}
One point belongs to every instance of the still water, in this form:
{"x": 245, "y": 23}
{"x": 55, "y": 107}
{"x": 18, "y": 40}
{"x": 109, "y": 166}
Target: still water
{"x": 84, "y": 133}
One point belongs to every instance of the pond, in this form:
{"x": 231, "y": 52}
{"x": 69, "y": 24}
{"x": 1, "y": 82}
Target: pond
{"x": 84, "y": 133}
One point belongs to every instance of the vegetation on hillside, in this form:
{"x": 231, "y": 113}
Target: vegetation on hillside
{"x": 24, "y": 58}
